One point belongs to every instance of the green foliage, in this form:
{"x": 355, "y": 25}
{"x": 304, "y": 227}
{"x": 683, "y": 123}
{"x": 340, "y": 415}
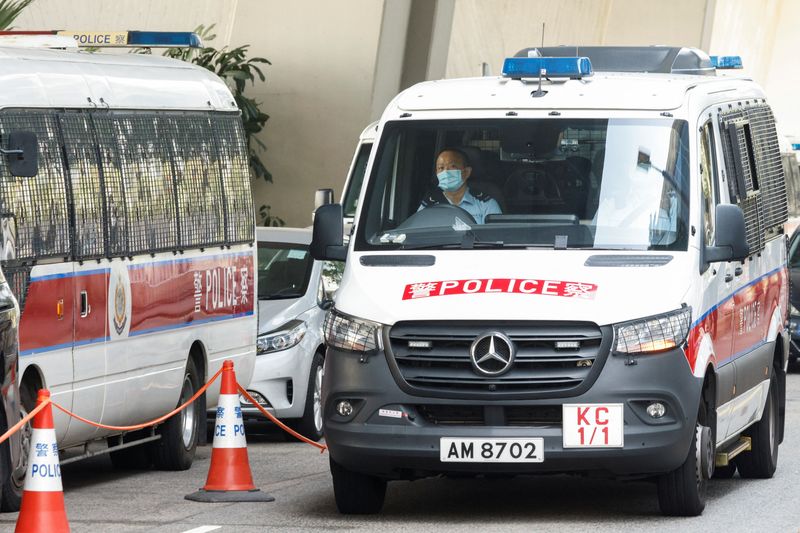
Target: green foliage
{"x": 10, "y": 10}
{"x": 268, "y": 219}
{"x": 236, "y": 69}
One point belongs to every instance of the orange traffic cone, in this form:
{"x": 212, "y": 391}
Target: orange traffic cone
{"x": 42, "y": 507}
{"x": 229, "y": 478}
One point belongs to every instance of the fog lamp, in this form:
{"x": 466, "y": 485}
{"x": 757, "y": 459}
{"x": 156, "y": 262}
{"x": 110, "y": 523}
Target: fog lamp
{"x": 656, "y": 410}
{"x": 344, "y": 408}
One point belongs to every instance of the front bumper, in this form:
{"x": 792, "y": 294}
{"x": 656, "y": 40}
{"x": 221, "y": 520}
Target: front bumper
{"x": 282, "y": 378}
{"x": 408, "y": 447}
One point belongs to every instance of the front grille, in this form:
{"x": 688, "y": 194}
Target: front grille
{"x": 476, "y": 415}
{"x": 443, "y": 364}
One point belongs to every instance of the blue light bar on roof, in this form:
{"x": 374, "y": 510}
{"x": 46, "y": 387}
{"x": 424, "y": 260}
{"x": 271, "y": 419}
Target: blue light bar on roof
{"x": 726, "y": 62}
{"x": 551, "y": 67}
{"x": 795, "y": 146}
{"x": 164, "y": 39}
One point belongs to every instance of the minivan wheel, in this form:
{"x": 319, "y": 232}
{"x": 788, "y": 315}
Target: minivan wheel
{"x": 310, "y": 426}
{"x": 762, "y": 459}
{"x": 357, "y": 493}
{"x": 682, "y": 492}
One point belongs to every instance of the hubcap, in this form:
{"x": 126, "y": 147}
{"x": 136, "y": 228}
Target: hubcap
{"x": 188, "y": 414}
{"x": 773, "y": 426}
{"x": 318, "y": 398}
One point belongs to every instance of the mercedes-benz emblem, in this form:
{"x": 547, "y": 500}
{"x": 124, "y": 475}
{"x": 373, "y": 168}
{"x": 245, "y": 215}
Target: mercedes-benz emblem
{"x": 492, "y": 354}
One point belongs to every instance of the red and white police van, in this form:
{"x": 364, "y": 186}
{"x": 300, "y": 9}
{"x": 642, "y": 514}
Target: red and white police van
{"x": 593, "y": 281}
{"x": 128, "y": 243}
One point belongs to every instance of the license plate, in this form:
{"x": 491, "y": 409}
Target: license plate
{"x": 461, "y": 450}
{"x": 593, "y": 425}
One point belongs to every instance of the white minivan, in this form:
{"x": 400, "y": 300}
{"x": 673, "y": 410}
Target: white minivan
{"x": 578, "y": 266}
{"x": 292, "y": 299}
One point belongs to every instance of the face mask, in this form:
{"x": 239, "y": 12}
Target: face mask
{"x": 449, "y": 180}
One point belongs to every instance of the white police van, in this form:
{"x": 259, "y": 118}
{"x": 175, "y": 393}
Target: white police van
{"x": 622, "y": 315}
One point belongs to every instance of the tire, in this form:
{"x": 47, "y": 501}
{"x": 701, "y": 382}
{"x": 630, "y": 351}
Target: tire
{"x": 762, "y": 459}
{"x": 13, "y": 479}
{"x": 14, "y": 485}
{"x": 176, "y": 447}
{"x": 310, "y": 426}
{"x": 682, "y": 492}
{"x": 357, "y": 493}
{"x": 133, "y": 458}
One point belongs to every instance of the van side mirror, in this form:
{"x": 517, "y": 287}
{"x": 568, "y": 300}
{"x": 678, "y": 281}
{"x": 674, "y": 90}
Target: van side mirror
{"x": 731, "y": 236}
{"x": 327, "y": 241}
{"x": 22, "y": 154}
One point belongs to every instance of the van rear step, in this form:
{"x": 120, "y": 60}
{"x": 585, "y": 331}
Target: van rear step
{"x": 724, "y": 457}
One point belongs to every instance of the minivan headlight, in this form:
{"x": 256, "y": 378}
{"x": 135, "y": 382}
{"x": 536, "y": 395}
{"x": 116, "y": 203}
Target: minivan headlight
{"x": 653, "y": 334}
{"x": 352, "y": 334}
{"x": 288, "y": 335}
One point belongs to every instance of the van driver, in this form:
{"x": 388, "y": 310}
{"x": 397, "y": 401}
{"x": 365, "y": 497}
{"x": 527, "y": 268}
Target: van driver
{"x": 452, "y": 172}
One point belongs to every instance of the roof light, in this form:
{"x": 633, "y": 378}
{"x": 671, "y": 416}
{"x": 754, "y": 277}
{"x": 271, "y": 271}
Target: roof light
{"x": 552, "y": 67}
{"x": 726, "y": 62}
{"x": 110, "y": 39}
{"x": 795, "y": 146}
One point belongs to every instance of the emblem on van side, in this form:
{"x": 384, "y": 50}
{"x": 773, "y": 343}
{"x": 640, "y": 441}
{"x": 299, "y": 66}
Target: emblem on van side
{"x": 120, "y": 307}
{"x": 492, "y": 354}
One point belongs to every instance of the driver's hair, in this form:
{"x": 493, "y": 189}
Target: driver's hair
{"x": 461, "y": 154}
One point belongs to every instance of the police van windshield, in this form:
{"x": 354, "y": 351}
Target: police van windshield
{"x": 558, "y": 183}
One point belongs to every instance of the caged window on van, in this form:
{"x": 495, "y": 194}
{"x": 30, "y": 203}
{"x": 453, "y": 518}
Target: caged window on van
{"x": 563, "y": 183}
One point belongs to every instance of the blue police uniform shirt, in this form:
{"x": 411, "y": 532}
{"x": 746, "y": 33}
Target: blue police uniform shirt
{"x": 477, "y": 204}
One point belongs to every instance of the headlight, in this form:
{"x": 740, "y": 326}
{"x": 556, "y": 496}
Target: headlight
{"x": 653, "y": 334}
{"x": 290, "y": 334}
{"x": 351, "y": 334}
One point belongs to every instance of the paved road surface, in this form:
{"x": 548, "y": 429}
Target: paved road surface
{"x": 98, "y": 498}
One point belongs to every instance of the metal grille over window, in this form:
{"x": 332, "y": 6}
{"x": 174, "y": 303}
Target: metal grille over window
{"x": 37, "y": 205}
{"x": 115, "y": 203}
{"x": 149, "y": 190}
{"x": 18, "y": 278}
{"x": 87, "y": 191}
{"x": 197, "y": 179}
{"x": 767, "y": 157}
{"x": 234, "y": 165}
{"x": 434, "y": 357}
{"x": 755, "y": 173}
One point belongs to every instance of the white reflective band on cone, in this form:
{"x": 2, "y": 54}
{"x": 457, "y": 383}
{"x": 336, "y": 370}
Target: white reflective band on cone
{"x": 229, "y": 425}
{"x": 44, "y": 472}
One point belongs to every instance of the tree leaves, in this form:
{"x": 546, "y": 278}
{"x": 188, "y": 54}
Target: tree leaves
{"x": 10, "y": 10}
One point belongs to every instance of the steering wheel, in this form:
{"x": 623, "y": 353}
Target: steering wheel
{"x": 438, "y": 215}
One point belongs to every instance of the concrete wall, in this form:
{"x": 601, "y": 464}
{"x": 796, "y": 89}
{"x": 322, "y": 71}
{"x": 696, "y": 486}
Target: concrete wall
{"x": 490, "y": 30}
{"x": 337, "y": 64}
{"x": 318, "y": 93}
{"x": 765, "y": 33}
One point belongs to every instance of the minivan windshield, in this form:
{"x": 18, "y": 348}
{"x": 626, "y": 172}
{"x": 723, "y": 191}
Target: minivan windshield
{"x": 283, "y": 270}
{"x": 526, "y": 183}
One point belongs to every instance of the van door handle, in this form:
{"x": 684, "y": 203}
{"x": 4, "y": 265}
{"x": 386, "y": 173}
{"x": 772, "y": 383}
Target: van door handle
{"x": 728, "y": 277}
{"x": 85, "y": 307}
{"x": 737, "y": 271}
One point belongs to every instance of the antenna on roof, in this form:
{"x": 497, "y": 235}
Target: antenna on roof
{"x": 538, "y": 92}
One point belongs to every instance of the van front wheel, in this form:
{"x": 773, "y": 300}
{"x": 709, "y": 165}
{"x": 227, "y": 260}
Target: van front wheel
{"x": 682, "y": 492}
